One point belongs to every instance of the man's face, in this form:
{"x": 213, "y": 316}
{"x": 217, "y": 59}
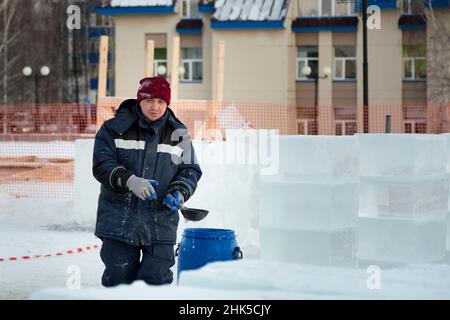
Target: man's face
{"x": 153, "y": 109}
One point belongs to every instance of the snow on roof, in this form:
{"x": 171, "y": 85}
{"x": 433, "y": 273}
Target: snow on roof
{"x": 250, "y": 10}
{"x": 141, "y": 3}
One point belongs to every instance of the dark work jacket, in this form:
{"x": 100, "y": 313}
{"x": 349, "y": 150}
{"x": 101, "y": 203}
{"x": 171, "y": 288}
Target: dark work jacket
{"x": 160, "y": 150}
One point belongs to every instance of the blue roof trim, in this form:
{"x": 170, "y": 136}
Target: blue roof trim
{"x": 135, "y": 10}
{"x": 94, "y": 83}
{"x": 208, "y": 8}
{"x": 189, "y": 31}
{"x": 325, "y": 28}
{"x": 438, "y": 4}
{"x": 95, "y": 32}
{"x": 383, "y": 4}
{"x": 94, "y": 57}
{"x": 421, "y": 26}
{"x": 276, "y": 24}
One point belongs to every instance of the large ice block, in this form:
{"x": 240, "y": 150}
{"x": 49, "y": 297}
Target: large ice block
{"x": 318, "y": 282}
{"x": 447, "y": 138}
{"x": 290, "y": 203}
{"x": 401, "y": 154}
{"x": 401, "y": 240}
{"x": 448, "y": 232}
{"x": 86, "y": 187}
{"x": 404, "y": 197}
{"x": 318, "y": 247}
{"x": 228, "y": 191}
{"x": 328, "y": 158}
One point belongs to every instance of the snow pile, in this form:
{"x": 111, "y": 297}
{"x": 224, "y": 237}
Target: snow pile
{"x": 255, "y": 279}
{"x": 403, "y": 197}
{"x": 231, "y": 118}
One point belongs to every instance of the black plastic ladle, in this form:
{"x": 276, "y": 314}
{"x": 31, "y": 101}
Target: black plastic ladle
{"x": 190, "y": 213}
{"x": 193, "y": 214}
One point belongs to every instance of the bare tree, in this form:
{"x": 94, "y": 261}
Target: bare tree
{"x": 438, "y": 60}
{"x": 8, "y": 37}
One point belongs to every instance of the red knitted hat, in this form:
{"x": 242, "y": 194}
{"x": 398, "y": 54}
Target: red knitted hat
{"x": 154, "y": 87}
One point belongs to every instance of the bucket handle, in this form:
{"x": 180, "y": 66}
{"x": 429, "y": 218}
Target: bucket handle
{"x": 237, "y": 254}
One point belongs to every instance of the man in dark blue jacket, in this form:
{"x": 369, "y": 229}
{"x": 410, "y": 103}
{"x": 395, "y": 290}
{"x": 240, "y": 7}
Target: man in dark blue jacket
{"x": 145, "y": 162}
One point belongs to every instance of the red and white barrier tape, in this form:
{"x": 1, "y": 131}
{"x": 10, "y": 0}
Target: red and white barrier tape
{"x": 58, "y": 254}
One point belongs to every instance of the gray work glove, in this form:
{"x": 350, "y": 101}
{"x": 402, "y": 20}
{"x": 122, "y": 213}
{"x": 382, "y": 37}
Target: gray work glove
{"x": 142, "y": 188}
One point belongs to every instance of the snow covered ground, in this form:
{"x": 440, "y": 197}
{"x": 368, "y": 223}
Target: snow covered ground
{"x": 270, "y": 227}
{"x": 34, "y": 226}
{"x": 52, "y": 149}
{"x": 259, "y": 280}
{"x": 51, "y": 190}
{"x": 42, "y": 226}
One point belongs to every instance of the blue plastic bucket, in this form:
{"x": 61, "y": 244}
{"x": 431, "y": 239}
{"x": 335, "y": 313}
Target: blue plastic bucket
{"x": 200, "y": 246}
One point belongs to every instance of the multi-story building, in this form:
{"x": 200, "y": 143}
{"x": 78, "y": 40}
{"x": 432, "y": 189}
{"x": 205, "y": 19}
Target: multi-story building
{"x": 99, "y": 25}
{"x": 268, "y": 44}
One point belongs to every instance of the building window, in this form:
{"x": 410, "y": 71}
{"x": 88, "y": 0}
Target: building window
{"x": 93, "y": 20}
{"x": 189, "y": 9}
{"x": 345, "y": 127}
{"x": 192, "y": 61}
{"x": 160, "y": 59}
{"x": 93, "y": 71}
{"x": 414, "y": 62}
{"x": 306, "y": 127}
{"x": 345, "y": 120}
{"x": 99, "y": 21}
{"x": 344, "y": 62}
{"x": 412, "y": 7}
{"x": 415, "y": 126}
{"x": 307, "y": 56}
{"x": 95, "y": 46}
{"x": 107, "y": 21}
{"x": 325, "y": 8}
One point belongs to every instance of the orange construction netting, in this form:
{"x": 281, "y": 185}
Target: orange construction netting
{"x": 37, "y": 149}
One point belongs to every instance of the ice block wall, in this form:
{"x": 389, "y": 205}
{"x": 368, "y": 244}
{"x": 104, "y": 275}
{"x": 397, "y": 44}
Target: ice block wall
{"x": 447, "y": 137}
{"x": 86, "y": 188}
{"x": 308, "y": 210}
{"x": 229, "y": 187}
{"x": 403, "y": 198}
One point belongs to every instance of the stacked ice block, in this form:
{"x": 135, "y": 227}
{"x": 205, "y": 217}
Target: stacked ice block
{"x": 228, "y": 189}
{"x": 308, "y": 210}
{"x": 447, "y": 137}
{"x": 403, "y": 197}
